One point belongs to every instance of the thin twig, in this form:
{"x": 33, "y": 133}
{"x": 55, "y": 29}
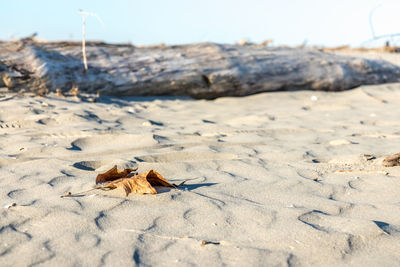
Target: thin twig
{"x": 371, "y": 25}
{"x": 360, "y": 170}
{"x": 84, "y": 16}
{"x": 381, "y": 37}
{"x": 200, "y": 241}
{"x": 69, "y": 194}
{"x": 374, "y": 97}
{"x": 84, "y": 41}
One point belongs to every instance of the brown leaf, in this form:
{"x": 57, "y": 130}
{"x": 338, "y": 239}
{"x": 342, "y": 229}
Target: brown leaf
{"x": 391, "y": 161}
{"x": 136, "y": 184}
{"x": 113, "y": 174}
{"x": 59, "y": 92}
{"x": 139, "y": 183}
{"x": 74, "y": 91}
{"x": 154, "y": 178}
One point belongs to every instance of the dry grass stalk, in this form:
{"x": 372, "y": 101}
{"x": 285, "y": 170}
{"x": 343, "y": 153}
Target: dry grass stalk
{"x": 360, "y": 170}
{"x": 84, "y": 17}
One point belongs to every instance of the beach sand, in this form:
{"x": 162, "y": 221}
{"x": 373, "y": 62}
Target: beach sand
{"x": 274, "y": 179}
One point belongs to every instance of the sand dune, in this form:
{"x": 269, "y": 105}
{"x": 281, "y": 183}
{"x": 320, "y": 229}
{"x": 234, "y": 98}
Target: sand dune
{"x": 272, "y": 179}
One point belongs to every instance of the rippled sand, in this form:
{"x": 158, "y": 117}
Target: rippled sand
{"x": 286, "y": 178}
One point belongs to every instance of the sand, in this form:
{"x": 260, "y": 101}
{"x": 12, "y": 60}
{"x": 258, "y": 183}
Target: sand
{"x": 274, "y": 179}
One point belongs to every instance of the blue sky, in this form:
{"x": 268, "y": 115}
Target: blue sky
{"x": 322, "y": 22}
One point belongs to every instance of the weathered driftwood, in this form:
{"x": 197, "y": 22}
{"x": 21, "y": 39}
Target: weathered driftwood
{"x": 203, "y": 70}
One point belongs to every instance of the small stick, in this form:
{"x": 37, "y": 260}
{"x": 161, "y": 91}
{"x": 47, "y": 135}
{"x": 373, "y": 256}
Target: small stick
{"x": 359, "y": 170}
{"x": 84, "y": 16}
{"x": 69, "y": 194}
{"x": 374, "y": 97}
{"x": 371, "y": 25}
{"x": 177, "y": 185}
{"x": 205, "y": 242}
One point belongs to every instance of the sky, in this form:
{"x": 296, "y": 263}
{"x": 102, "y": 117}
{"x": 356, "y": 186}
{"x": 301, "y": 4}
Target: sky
{"x": 144, "y": 22}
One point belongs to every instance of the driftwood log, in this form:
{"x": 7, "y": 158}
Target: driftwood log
{"x": 204, "y": 70}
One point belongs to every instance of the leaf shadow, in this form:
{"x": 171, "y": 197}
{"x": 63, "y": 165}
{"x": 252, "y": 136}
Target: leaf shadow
{"x": 184, "y": 187}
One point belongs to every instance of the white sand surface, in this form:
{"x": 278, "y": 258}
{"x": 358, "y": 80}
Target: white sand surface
{"x": 274, "y": 179}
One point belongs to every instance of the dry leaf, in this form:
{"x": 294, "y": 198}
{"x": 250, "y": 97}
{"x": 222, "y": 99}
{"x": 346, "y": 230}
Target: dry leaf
{"x": 131, "y": 182}
{"x": 113, "y": 174}
{"x": 154, "y": 178}
{"x": 59, "y": 92}
{"x": 138, "y": 183}
{"x": 74, "y": 91}
{"x": 391, "y": 161}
